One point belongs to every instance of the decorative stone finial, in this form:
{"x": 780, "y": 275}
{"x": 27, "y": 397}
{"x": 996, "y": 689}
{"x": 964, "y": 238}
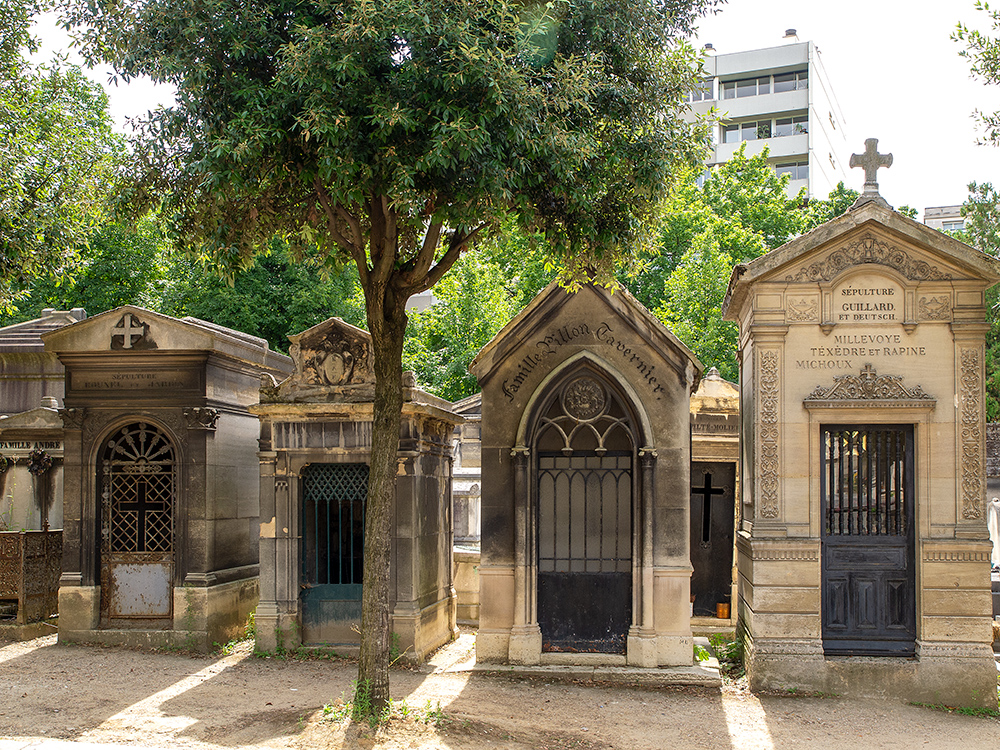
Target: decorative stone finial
{"x": 871, "y": 160}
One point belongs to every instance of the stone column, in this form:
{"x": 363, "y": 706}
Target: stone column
{"x": 525, "y": 637}
{"x": 642, "y": 646}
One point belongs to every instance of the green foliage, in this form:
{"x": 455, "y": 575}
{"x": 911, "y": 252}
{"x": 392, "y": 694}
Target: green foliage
{"x": 272, "y": 298}
{"x": 819, "y": 212}
{"x": 475, "y": 303}
{"x": 981, "y": 212}
{"x": 59, "y": 158}
{"x": 693, "y": 301}
{"x": 983, "y": 53}
{"x": 121, "y": 265}
{"x": 729, "y": 650}
{"x": 701, "y": 653}
{"x": 740, "y": 213}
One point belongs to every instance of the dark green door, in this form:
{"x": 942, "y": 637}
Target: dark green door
{"x": 333, "y": 529}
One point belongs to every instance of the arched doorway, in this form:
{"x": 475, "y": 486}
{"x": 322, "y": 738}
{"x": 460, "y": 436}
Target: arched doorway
{"x": 585, "y": 448}
{"x": 137, "y": 485}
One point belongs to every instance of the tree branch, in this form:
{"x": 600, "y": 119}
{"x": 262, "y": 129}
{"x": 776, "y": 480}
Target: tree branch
{"x": 355, "y": 249}
{"x": 455, "y": 248}
{"x": 425, "y": 257}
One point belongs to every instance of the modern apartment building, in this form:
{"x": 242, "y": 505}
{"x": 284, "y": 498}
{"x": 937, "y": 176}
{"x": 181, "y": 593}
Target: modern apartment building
{"x": 780, "y": 98}
{"x": 948, "y": 218}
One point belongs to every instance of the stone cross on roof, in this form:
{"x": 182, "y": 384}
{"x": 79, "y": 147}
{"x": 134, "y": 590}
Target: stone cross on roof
{"x": 870, "y": 161}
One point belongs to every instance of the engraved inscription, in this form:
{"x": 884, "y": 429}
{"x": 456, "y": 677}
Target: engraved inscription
{"x": 867, "y": 304}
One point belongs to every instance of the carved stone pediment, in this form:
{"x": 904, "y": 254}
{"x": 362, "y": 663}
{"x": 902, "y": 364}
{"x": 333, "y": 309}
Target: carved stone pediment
{"x": 868, "y": 249}
{"x": 869, "y": 389}
{"x": 333, "y": 361}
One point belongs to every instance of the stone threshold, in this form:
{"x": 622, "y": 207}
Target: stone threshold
{"x": 459, "y": 656}
{"x": 693, "y": 676}
{"x": 28, "y": 632}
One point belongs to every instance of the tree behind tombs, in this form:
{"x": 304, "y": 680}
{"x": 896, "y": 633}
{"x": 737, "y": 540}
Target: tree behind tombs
{"x": 392, "y": 134}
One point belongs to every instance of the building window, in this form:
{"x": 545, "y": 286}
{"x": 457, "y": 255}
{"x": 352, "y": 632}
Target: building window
{"x": 791, "y": 125}
{"x": 746, "y": 87}
{"x": 955, "y": 225}
{"x": 746, "y": 131}
{"x": 703, "y": 92}
{"x": 797, "y": 170}
{"x": 797, "y": 81}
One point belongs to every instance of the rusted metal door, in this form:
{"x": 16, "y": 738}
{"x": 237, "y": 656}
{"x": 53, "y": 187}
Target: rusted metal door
{"x": 333, "y": 532}
{"x": 869, "y": 589}
{"x": 137, "y": 480}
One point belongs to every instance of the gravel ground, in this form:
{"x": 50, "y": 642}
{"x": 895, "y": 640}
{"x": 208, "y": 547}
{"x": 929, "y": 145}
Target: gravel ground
{"x": 138, "y": 698}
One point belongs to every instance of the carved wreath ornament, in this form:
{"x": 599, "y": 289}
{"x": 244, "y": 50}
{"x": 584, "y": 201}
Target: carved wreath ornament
{"x": 868, "y": 385}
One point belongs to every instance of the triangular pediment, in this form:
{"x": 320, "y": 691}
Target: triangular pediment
{"x": 134, "y": 329}
{"x": 40, "y": 418}
{"x": 869, "y": 238}
{"x": 593, "y": 306}
{"x": 333, "y": 360}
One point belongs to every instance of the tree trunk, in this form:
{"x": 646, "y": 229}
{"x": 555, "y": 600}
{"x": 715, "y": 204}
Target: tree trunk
{"x": 387, "y": 324}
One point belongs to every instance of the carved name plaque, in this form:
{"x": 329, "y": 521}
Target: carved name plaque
{"x": 145, "y": 380}
{"x": 870, "y": 300}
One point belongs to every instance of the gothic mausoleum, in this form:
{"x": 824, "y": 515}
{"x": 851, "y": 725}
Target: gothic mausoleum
{"x": 315, "y": 448}
{"x": 863, "y": 556}
{"x": 160, "y": 487}
{"x": 585, "y": 484}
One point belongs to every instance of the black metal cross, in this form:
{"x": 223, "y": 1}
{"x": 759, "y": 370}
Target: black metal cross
{"x": 141, "y": 505}
{"x": 871, "y": 160}
{"x": 706, "y": 504}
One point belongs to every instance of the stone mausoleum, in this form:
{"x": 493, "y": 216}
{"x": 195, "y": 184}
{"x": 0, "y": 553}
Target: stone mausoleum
{"x": 160, "y": 498}
{"x": 585, "y": 484}
{"x": 315, "y": 448}
{"x": 863, "y": 554}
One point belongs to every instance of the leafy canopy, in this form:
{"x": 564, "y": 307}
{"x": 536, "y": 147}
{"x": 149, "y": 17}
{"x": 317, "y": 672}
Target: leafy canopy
{"x": 983, "y": 53}
{"x": 59, "y": 156}
{"x": 298, "y": 119}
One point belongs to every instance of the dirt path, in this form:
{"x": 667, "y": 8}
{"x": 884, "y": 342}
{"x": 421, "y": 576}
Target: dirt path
{"x": 111, "y": 695}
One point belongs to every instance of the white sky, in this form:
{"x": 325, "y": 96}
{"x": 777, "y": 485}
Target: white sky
{"x": 891, "y": 64}
{"x": 897, "y": 76}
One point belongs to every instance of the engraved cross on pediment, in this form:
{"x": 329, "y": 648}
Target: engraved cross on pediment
{"x": 130, "y": 330}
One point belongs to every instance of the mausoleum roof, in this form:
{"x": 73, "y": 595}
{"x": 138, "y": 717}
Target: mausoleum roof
{"x": 161, "y": 332}
{"x": 853, "y": 225}
{"x": 617, "y": 300}
{"x": 26, "y": 336}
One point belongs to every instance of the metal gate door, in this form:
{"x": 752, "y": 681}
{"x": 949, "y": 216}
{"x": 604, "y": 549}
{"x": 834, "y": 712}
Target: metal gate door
{"x": 333, "y": 531}
{"x": 585, "y": 552}
{"x": 712, "y": 526}
{"x": 869, "y": 592}
{"x": 137, "y": 481}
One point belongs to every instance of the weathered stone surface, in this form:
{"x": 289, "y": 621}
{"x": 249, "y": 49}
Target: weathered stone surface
{"x": 191, "y": 382}
{"x": 870, "y": 321}
{"x": 579, "y": 353}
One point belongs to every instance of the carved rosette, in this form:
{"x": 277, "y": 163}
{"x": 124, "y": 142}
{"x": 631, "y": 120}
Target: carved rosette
{"x": 200, "y": 418}
{"x": 584, "y": 399}
{"x": 868, "y": 250}
{"x": 767, "y": 433}
{"x": 971, "y": 427}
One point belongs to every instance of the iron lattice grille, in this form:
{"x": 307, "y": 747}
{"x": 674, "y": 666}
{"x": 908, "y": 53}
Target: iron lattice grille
{"x": 865, "y": 481}
{"x": 585, "y": 514}
{"x": 333, "y": 523}
{"x": 137, "y": 491}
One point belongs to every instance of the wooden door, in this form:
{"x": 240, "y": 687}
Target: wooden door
{"x": 869, "y": 591}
